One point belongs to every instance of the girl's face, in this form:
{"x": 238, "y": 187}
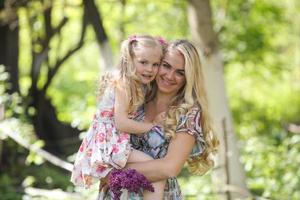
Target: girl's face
{"x": 171, "y": 74}
{"x": 146, "y": 62}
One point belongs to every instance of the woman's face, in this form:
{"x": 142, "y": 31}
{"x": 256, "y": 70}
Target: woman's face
{"x": 171, "y": 74}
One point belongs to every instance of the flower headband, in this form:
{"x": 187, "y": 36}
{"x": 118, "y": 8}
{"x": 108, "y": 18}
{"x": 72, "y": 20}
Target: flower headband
{"x": 161, "y": 40}
{"x": 132, "y": 38}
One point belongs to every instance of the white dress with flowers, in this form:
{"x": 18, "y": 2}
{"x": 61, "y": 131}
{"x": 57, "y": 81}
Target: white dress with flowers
{"x": 103, "y": 147}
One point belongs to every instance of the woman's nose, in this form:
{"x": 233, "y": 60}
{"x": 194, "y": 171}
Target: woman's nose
{"x": 170, "y": 75}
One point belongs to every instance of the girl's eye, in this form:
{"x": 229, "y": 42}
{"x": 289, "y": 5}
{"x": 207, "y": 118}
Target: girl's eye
{"x": 143, "y": 62}
{"x": 156, "y": 65}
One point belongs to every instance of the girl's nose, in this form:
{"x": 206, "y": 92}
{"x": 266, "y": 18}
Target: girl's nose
{"x": 149, "y": 68}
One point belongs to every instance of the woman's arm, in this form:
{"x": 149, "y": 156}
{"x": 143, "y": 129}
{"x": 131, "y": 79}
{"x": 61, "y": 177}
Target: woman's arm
{"x": 170, "y": 166}
{"x": 122, "y": 122}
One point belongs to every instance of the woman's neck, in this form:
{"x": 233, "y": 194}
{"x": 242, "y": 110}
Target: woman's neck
{"x": 162, "y": 101}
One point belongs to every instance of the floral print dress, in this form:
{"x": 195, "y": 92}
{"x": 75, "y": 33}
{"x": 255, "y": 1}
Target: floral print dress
{"x": 156, "y": 145}
{"x": 103, "y": 147}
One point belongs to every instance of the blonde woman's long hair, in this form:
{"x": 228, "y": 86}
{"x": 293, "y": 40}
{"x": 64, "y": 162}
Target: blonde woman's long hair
{"x": 127, "y": 78}
{"x": 193, "y": 93}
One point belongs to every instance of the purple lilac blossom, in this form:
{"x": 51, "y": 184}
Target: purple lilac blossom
{"x": 128, "y": 179}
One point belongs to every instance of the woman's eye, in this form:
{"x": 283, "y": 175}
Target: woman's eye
{"x": 166, "y": 66}
{"x": 156, "y": 65}
{"x": 180, "y": 73}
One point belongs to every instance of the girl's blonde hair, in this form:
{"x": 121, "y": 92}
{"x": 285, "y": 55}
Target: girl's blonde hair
{"x": 191, "y": 94}
{"x": 127, "y": 71}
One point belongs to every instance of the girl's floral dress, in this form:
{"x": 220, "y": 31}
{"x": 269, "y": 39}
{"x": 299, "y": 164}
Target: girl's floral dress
{"x": 103, "y": 147}
{"x": 156, "y": 145}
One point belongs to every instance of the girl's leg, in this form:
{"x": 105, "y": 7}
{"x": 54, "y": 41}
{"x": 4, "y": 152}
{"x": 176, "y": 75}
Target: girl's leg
{"x": 138, "y": 156}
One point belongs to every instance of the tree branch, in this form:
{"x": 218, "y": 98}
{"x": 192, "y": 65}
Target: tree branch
{"x": 95, "y": 19}
{"x": 48, "y": 27}
{"x": 50, "y": 33}
{"x": 38, "y": 59}
{"x": 41, "y": 152}
{"x": 293, "y": 128}
{"x": 53, "y": 70}
{"x": 57, "y": 193}
{"x": 221, "y": 16}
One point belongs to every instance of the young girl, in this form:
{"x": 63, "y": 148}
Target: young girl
{"x": 106, "y": 145}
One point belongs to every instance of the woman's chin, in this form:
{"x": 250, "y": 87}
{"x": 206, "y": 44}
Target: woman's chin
{"x": 167, "y": 90}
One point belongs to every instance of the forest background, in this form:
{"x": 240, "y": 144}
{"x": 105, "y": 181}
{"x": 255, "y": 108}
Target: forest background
{"x": 52, "y": 54}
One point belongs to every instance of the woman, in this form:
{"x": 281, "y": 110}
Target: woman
{"x": 180, "y": 100}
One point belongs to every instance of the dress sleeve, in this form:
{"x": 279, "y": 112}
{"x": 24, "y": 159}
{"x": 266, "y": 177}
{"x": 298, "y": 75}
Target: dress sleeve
{"x": 190, "y": 124}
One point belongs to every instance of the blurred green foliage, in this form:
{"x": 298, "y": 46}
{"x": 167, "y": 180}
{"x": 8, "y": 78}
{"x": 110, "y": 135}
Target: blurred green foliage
{"x": 261, "y": 51}
{"x": 259, "y": 41}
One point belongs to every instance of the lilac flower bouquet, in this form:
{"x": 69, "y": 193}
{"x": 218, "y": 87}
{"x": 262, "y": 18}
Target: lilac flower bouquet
{"x": 128, "y": 179}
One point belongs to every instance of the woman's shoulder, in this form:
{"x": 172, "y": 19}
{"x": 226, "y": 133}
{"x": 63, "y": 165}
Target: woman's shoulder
{"x": 191, "y": 124}
{"x": 190, "y": 121}
{"x": 192, "y": 115}
{"x": 194, "y": 110}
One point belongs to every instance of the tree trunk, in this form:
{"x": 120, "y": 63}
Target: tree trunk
{"x": 60, "y": 138}
{"x": 229, "y": 174}
{"x": 95, "y": 19}
{"x": 9, "y": 50}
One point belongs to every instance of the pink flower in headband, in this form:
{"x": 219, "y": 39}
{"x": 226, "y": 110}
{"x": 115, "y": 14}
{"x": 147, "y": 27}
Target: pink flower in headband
{"x": 132, "y": 38}
{"x": 161, "y": 40}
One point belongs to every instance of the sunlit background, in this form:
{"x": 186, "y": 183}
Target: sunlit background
{"x": 46, "y": 67}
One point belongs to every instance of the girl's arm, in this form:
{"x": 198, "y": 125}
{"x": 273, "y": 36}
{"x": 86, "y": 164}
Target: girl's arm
{"x": 122, "y": 122}
{"x": 170, "y": 166}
